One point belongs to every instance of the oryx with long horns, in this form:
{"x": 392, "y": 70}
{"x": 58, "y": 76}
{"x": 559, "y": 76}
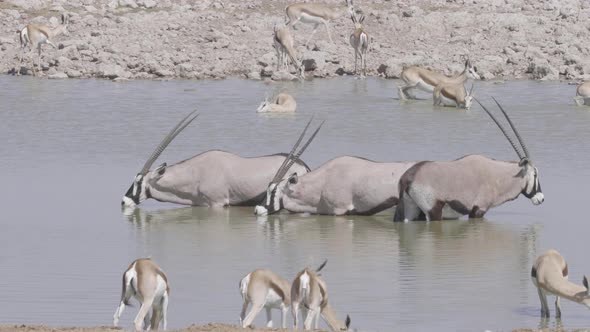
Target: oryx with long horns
{"x": 344, "y": 185}
{"x": 213, "y": 178}
{"x": 471, "y": 185}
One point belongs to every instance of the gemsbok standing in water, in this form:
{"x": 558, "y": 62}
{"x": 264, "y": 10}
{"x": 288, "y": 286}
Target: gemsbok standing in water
{"x": 263, "y": 288}
{"x": 213, "y": 178}
{"x": 471, "y": 185}
{"x": 359, "y": 40}
{"x": 145, "y": 281}
{"x": 309, "y": 293}
{"x": 583, "y": 94}
{"x": 549, "y": 275}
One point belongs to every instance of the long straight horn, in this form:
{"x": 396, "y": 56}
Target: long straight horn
{"x": 298, "y": 154}
{"x": 167, "y": 139}
{"x": 520, "y": 140}
{"x": 281, "y": 171}
{"x": 501, "y": 128}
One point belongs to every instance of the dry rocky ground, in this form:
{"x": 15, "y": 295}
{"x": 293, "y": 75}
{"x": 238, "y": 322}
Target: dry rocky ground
{"x": 147, "y": 39}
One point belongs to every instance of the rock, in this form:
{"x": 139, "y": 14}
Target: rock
{"x": 28, "y": 4}
{"x": 267, "y": 59}
{"x": 393, "y": 67}
{"x": 283, "y": 76}
{"x": 314, "y": 60}
{"x": 111, "y": 71}
{"x": 541, "y": 69}
{"x": 73, "y": 73}
{"x": 58, "y": 75}
{"x": 184, "y": 70}
{"x": 163, "y": 72}
{"x": 147, "y": 3}
{"x": 413, "y": 11}
{"x": 5, "y": 40}
{"x": 128, "y": 3}
{"x": 254, "y": 75}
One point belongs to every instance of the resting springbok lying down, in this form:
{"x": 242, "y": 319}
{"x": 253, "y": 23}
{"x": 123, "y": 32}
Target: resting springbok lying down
{"x": 583, "y": 94}
{"x": 427, "y": 80}
{"x": 344, "y": 185}
{"x": 471, "y": 185}
{"x": 309, "y": 291}
{"x": 453, "y": 94}
{"x": 359, "y": 40}
{"x": 283, "y": 44}
{"x": 264, "y": 289}
{"x": 278, "y": 103}
{"x": 549, "y": 275}
{"x": 316, "y": 14}
{"x": 146, "y": 282}
{"x": 213, "y": 178}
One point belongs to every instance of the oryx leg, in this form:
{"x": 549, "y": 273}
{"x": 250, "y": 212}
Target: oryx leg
{"x": 436, "y": 212}
{"x": 544, "y": 306}
{"x": 143, "y": 313}
{"x": 476, "y": 213}
{"x": 254, "y": 311}
{"x": 268, "y": 317}
{"x": 411, "y": 211}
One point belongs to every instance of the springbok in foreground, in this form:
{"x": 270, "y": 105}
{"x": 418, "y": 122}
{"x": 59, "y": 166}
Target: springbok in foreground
{"x": 37, "y": 35}
{"x": 344, "y": 185}
{"x": 583, "y": 94}
{"x": 316, "y": 14}
{"x": 359, "y": 40}
{"x": 427, "y": 80}
{"x": 309, "y": 292}
{"x": 264, "y": 289}
{"x": 146, "y": 282}
{"x": 283, "y": 44}
{"x": 549, "y": 275}
{"x": 278, "y": 103}
{"x": 453, "y": 94}
{"x": 213, "y": 178}
{"x": 471, "y": 185}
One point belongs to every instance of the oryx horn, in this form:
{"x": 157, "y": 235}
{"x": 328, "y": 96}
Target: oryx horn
{"x": 520, "y": 140}
{"x": 501, "y": 128}
{"x": 167, "y": 139}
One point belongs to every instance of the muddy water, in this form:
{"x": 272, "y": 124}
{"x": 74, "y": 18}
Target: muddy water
{"x": 70, "y": 150}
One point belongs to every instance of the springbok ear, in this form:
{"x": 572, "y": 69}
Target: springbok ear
{"x": 585, "y": 282}
{"x": 160, "y": 170}
{"x": 524, "y": 162}
{"x": 293, "y": 179}
{"x": 347, "y": 322}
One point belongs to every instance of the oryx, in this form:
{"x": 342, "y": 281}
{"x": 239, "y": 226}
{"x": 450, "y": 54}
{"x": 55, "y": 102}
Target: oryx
{"x": 213, "y": 178}
{"x": 470, "y": 185}
{"x": 344, "y": 185}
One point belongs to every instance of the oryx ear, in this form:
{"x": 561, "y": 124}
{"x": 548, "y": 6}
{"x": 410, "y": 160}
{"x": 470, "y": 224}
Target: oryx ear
{"x": 524, "y": 162}
{"x": 293, "y": 179}
{"x": 347, "y": 322}
{"x": 160, "y": 170}
{"x": 585, "y": 282}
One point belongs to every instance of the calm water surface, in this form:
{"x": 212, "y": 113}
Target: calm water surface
{"x": 70, "y": 150}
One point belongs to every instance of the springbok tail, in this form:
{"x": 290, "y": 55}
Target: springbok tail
{"x": 127, "y": 283}
{"x": 322, "y": 265}
{"x": 304, "y": 284}
{"x": 244, "y": 285}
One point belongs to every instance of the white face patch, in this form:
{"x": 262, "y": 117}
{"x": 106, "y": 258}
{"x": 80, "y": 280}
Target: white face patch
{"x": 260, "y": 210}
{"x": 128, "y": 202}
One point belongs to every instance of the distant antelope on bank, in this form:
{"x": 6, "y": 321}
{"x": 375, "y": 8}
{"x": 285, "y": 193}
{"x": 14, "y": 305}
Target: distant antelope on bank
{"x": 283, "y": 44}
{"x": 359, "y": 40}
{"x": 549, "y": 275}
{"x": 37, "y": 35}
{"x": 427, "y": 80}
{"x": 145, "y": 281}
{"x": 278, "y": 103}
{"x": 309, "y": 293}
{"x": 316, "y": 14}
{"x": 453, "y": 94}
{"x": 583, "y": 94}
{"x": 264, "y": 289}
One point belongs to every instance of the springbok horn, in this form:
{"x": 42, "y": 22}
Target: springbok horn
{"x": 167, "y": 139}
{"x": 501, "y": 128}
{"x": 520, "y": 140}
{"x": 280, "y": 170}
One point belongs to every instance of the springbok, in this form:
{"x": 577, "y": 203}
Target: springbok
{"x": 146, "y": 282}
{"x": 264, "y": 289}
{"x": 309, "y": 291}
{"x": 549, "y": 275}
{"x": 213, "y": 178}
{"x": 427, "y": 80}
{"x": 344, "y": 185}
{"x": 37, "y": 35}
{"x": 278, "y": 103}
{"x": 471, "y": 185}
{"x": 453, "y": 94}
{"x": 315, "y": 14}
{"x": 283, "y": 44}
{"x": 583, "y": 94}
{"x": 359, "y": 40}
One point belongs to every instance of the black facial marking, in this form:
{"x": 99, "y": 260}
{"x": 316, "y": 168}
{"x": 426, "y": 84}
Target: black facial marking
{"x": 533, "y": 272}
{"x": 129, "y": 193}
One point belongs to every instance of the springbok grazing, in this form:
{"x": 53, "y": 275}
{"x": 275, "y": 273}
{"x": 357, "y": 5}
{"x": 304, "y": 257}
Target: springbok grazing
{"x": 37, "y": 35}
{"x": 213, "y": 178}
{"x": 471, "y": 185}
{"x": 549, "y": 275}
{"x": 583, "y": 94}
{"x": 264, "y": 289}
{"x": 283, "y": 44}
{"x": 316, "y": 14}
{"x": 344, "y": 185}
{"x": 145, "y": 281}
{"x": 309, "y": 291}
{"x": 278, "y": 103}
{"x": 427, "y": 80}
{"x": 359, "y": 40}
{"x": 453, "y": 94}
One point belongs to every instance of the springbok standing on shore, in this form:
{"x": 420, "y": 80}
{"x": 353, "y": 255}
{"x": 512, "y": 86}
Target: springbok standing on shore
{"x": 309, "y": 292}
{"x": 471, "y": 185}
{"x": 583, "y": 94}
{"x": 316, "y": 14}
{"x": 427, "y": 80}
{"x": 283, "y": 44}
{"x": 278, "y": 103}
{"x": 37, "y": 35}
{"x": 549, "y": 275}
{"x": 359, "y": 40}
{"x": 146, "y": 282}
{"x": 264, "y": 289}
{"x": 453, "y": 94}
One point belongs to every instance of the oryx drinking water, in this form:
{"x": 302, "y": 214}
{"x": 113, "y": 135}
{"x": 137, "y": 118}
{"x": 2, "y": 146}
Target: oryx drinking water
{"x": 213, "y": 178}
{"x": 467, "y": 186}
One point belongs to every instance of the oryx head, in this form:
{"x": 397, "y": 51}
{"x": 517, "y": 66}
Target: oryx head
{"x": 138, "y": 191}
{"x": 471, "y": 70}
{"x": 273, "y": 202}
{"x": 528, "y": 172}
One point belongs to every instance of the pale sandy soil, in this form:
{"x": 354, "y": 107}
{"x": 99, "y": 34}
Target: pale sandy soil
{"x": 211, "y": 327}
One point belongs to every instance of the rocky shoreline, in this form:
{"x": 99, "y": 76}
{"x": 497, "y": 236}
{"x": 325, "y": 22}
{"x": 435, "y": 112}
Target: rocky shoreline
{"x": 166, "y": 39}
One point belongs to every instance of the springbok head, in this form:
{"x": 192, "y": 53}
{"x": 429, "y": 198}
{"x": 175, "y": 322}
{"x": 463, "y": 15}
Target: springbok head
{"x": 469, "y": 98}
{"x": 62, "y": 29}
{"x": 265, "y": 106}
{"x": 471, "y": 70}
{"x": 532, "y": 189}
{"x": 137, "y": 193}
{"x": 357, "y": 18}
